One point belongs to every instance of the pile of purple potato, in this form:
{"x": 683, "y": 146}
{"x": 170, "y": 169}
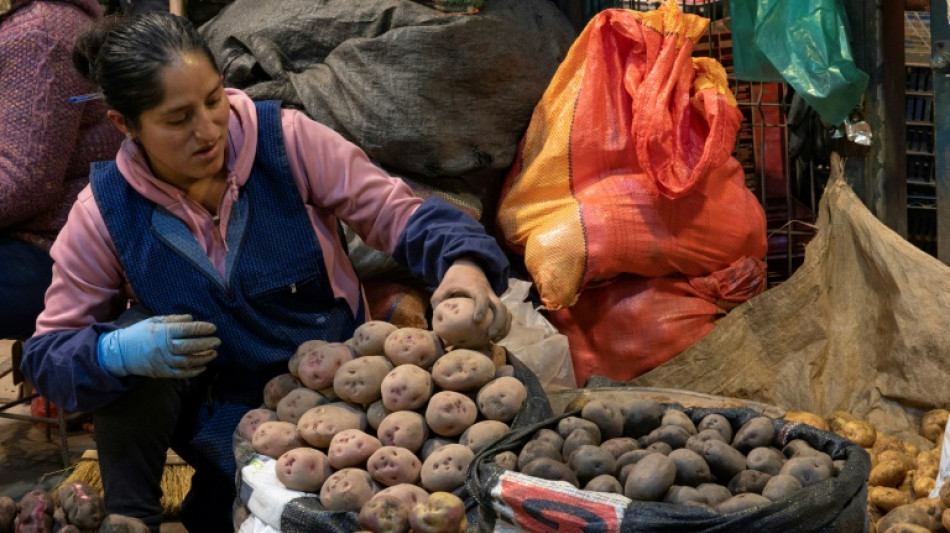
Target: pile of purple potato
{"x": 387, "y": 423}
{"x": 77, "y": 508}
{"x": 638, "y": 450}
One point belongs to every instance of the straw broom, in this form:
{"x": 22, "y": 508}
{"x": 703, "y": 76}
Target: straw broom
{"x": 176, "y": 479}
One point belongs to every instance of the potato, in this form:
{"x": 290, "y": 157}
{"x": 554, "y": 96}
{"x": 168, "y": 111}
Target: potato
{"x": 748, "y": 481}
{"x": 411, "y": 494}
{"x": 579, "y": 437}
{"x": 406, "y": 387}
{"x": 911, "y": 514}
{"x": 888, "y": 473}
{"x": 807, "y": 470}
{"x": 254, "y": 418}
{"x": 82, "y": 505}
{"x": 630, "y": 458}
{"x": 534, "y": 449}
{"x": 463, "y": 370}
{"x": 606, "y": 415}
{"x": 405, "y": 429}
{"x": 923, "y": 485}
{"x": 359, "y": 380}
{"x": 589, "y": 461}
{"x": 385, "y": 514}
{"x": 945, "y": 519}
{"x": 860, "y": 432}
{"x": 884, "y": 442}
{"x": 781, "y": 485}
{"x": 350, "y": 448}
{"x": 551, "y": 436}
{"x": 414, "y": 346}
{"x": 553, "y": 469}
{"x": 933, "y": 424}
{"x": 886, "y": 498}
{"x": 604, "y": 483}
{"x": 759, "y": 431}
{"x": 765, "y": 459}
{"x": 620, "y": 445}
{"x": 567, "y": 425}
{"x": 507, "y": 460}
{"x": 446, "y": 468}
{"x": 453, "y": 321}
{"x": 375, "y": 413}
{"x": 34, "y": 512}
{"x": 672, "y": 434}
{"x": 369, "y": 338}
{"x": 691, "y": 468}
{"x": 798, "y": 448}
{"x": 714, "y": 493}
{"x": 392, "y": 465}
{"x": 277, "y": 387}
{"x": 304, "y": 469}
{"x": 681, "y": 494}
{"x": 115, "y": 523}
{"x": 432, "y": 445}
{"x": 673, "y": 417}
{"x": 944, "y": 494}
{"x": 297, "y": 402}
{"x": 7, "y": 514}
{"x": 501, "y": 399}
{"x": 907, "y": 462}
{"x": 650, "y": 478}
{"x": 660, "y": 447}
{"x": 450, "y": 413}
{"x": 805, "y": 417}
{"x": 718, "y": 423}
{"x": 640, "y": 417}
{"x": 695, "y": 442}
{"x": 483, "y": 433}
{"x": 838, "y": 419}
{"x": 305, "y": 349}
{"x": 741, "y": 502}
{"x": 317, "y": 368}
{"x": 274, "y": 438}
{"x": 347, "y": 490}
{"x": 318, "y": 425}
{"x": 724, "y": 461}
{"x": 443, "y": 512}
{"x": 906, "y": 528}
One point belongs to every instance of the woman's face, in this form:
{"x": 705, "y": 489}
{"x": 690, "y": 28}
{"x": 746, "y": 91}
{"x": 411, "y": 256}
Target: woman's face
{"x": 185, "y": 136}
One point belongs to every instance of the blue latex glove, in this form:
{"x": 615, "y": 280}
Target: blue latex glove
{"x": 171, "y": 346}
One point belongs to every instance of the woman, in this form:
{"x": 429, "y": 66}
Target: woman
{"x": 219, "y": 217}
{"x": 46, "y": 145}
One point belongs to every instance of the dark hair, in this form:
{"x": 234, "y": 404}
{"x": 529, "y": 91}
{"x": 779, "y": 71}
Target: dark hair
{"x": 124, "y": 56}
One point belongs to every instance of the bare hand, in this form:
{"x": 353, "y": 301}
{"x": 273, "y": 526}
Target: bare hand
{"x": 465, "y": 278}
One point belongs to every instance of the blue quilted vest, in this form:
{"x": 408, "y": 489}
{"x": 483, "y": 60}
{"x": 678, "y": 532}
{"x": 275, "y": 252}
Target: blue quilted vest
{"x": 276, "y": 295}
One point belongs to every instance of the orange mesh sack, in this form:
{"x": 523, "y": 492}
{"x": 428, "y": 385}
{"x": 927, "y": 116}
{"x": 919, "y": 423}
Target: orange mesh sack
{"x": 633, "y": 324}
{"x": 626, "y": 166}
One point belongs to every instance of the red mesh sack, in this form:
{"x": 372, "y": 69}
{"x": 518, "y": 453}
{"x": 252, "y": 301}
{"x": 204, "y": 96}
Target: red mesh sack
{"x": 633, "y": 324}
{"x": 626, "y": 166}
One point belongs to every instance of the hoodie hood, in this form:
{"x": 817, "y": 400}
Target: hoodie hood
{"x": 242, "y": 147}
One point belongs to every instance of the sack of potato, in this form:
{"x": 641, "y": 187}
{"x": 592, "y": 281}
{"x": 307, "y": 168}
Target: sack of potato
{"x": 906, "y": 485}
{"x": 645, "y": 466}
{"x": 377, "y": 433}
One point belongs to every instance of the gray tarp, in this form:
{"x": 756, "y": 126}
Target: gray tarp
{"x": 862, "y": 327}
{"x": 427, "y": 95}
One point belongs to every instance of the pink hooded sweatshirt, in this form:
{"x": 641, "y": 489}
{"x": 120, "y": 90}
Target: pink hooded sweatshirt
{"x": 335, "y": 179}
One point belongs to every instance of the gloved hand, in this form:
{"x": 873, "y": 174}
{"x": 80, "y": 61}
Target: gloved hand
{"x": 171, "y": 346}
{"x": 466, "y": 278}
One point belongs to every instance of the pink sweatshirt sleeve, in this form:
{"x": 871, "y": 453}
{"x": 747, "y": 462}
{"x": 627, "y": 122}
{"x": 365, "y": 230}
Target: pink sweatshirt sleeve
{"x": 340, "y": 179}
{"x": 89, "y": 285}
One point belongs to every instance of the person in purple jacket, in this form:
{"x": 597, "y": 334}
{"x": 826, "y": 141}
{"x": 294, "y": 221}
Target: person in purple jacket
{"x": 218, "y": 219}
{"x": 46, "y": 145}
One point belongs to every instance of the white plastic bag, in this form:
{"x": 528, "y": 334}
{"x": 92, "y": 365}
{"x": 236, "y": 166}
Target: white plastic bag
{"x": 535, "y": 342}
{"x": 944, "y": 471}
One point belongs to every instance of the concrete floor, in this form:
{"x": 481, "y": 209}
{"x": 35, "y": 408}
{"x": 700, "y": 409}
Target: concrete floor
{"x": 27, "y": 459}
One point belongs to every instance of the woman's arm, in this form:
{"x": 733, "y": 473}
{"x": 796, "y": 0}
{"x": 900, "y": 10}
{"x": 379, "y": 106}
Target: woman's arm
{"x": 87, "y": 291}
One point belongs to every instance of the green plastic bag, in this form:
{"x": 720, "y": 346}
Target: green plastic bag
{"x": 803, "y": 43}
